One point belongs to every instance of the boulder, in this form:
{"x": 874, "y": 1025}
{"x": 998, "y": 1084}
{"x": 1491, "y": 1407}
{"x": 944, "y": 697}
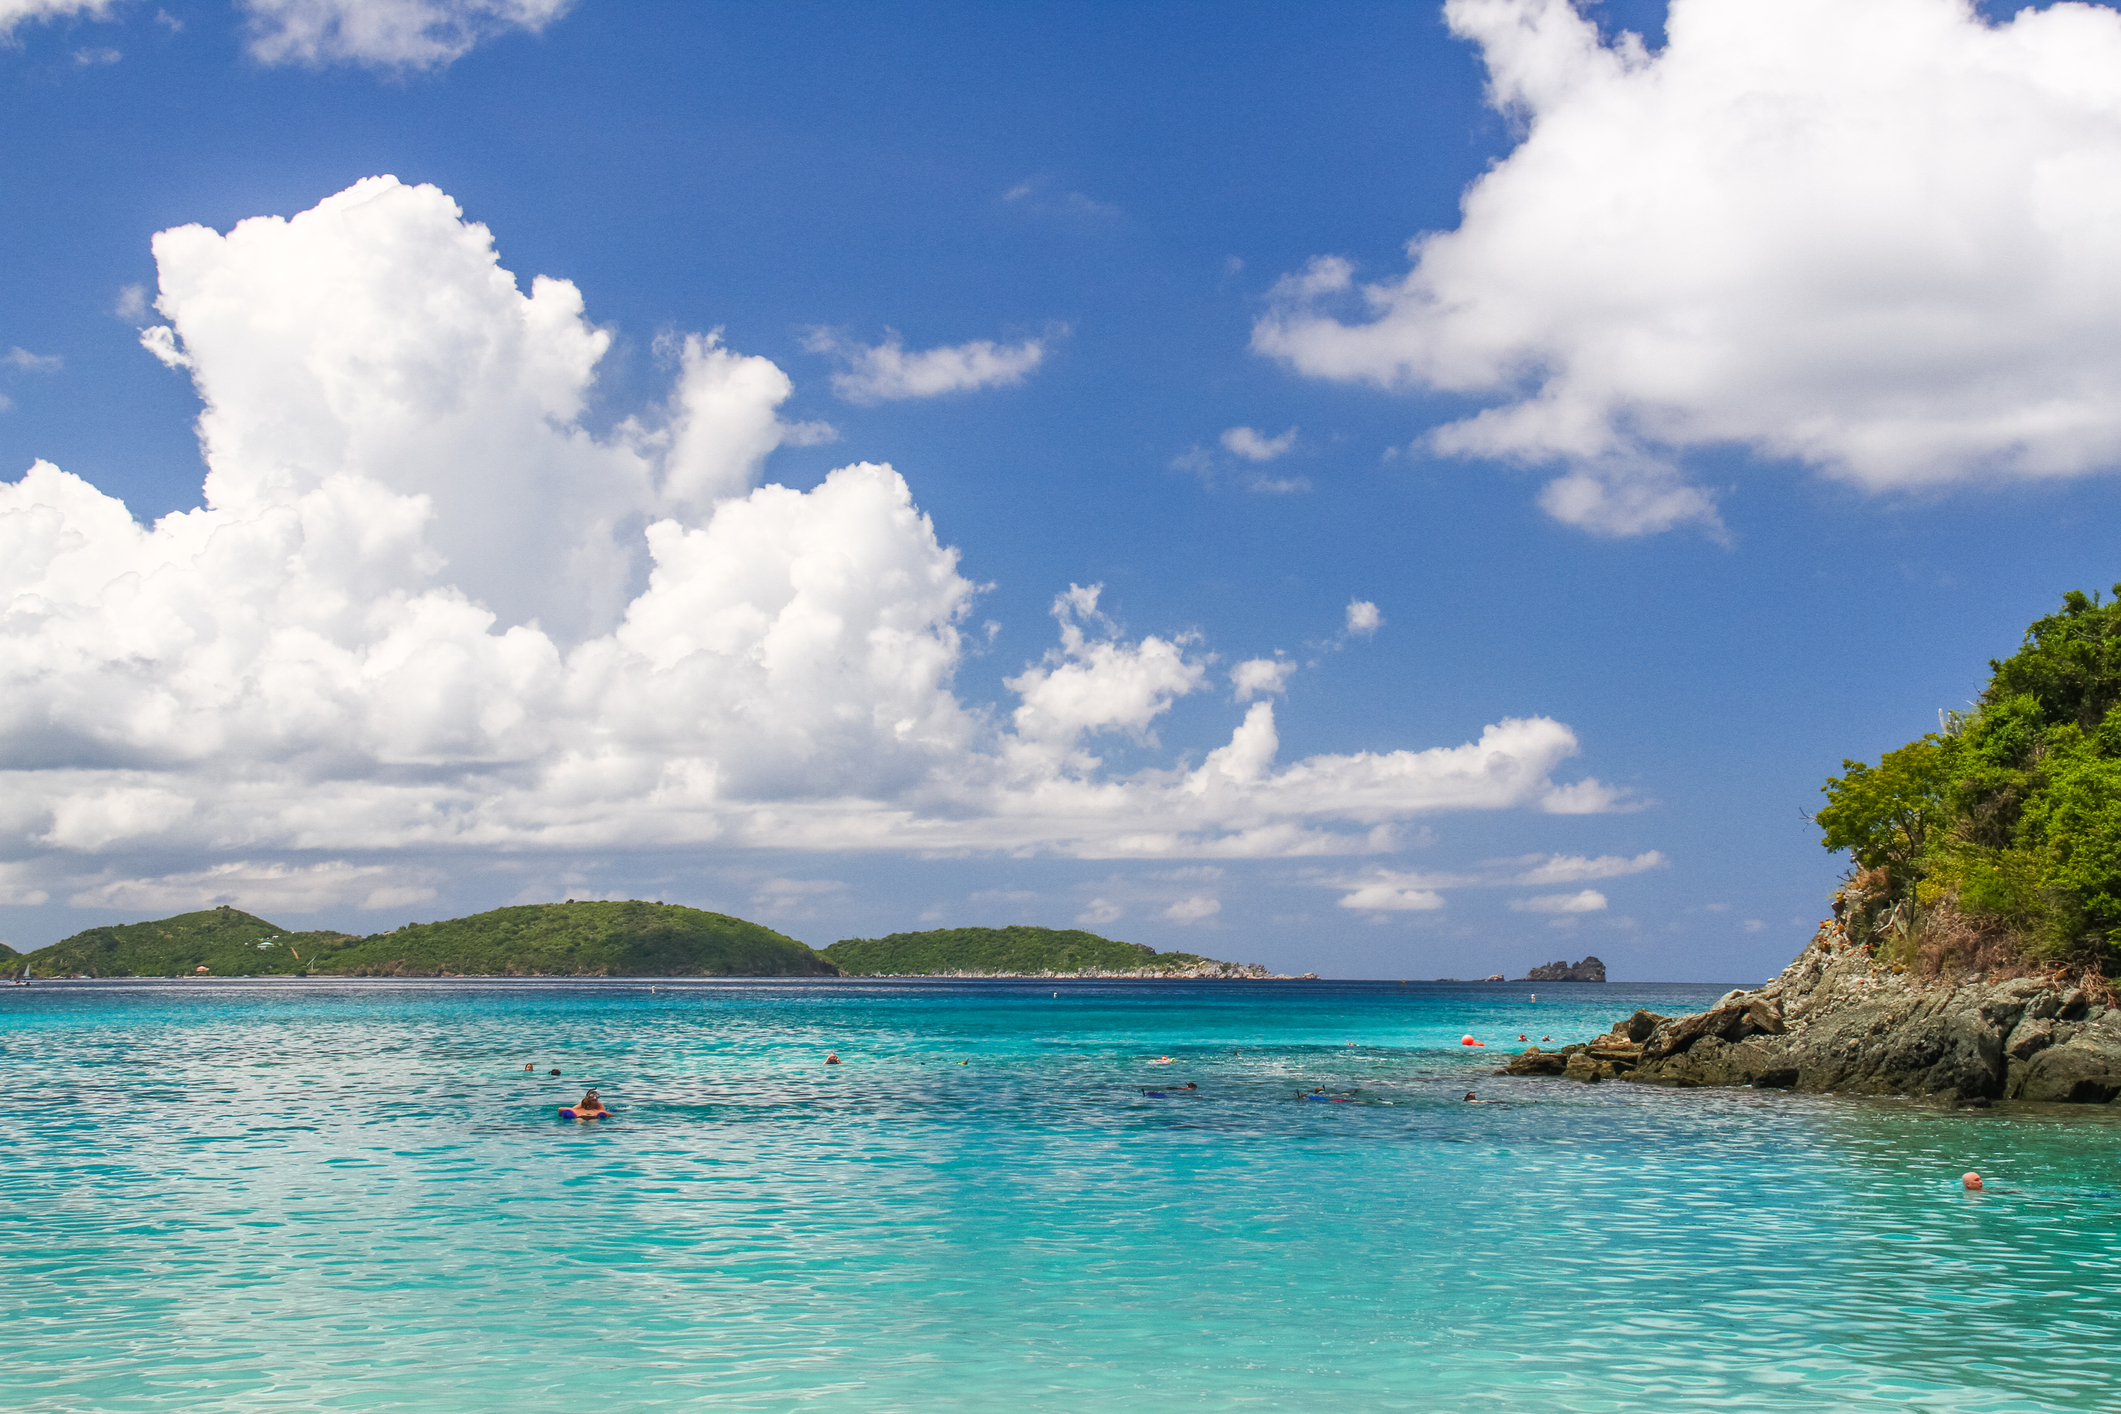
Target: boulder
{"x": 2074, "y": 1074}
{"x": 1537, "y": 1062}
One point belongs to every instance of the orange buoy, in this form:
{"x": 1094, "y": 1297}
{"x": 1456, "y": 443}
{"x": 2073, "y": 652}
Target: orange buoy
{"x": 1469, "y": 1041}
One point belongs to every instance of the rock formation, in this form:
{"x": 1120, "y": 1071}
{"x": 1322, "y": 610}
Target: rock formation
{"x": 1842, "y": 1019}
{"x": 1589, "y": 970}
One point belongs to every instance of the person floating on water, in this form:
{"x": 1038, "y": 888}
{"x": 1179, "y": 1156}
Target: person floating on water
{"x": 589, "y": 1107}
{"x": 1174, "y": 1090}
{"x": 832, "y": 1058}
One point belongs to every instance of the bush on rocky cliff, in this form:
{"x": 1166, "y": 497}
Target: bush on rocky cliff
{"x": 2006, "y": 823}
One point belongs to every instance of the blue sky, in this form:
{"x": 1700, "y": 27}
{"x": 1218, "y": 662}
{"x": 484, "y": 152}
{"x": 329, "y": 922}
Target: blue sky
{"x": 1792, "y": 334}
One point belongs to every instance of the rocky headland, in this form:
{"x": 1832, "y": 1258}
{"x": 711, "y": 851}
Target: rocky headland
{"x": 1842, "y": 1019}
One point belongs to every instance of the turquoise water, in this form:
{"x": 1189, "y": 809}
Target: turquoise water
{"x": 338, "y": 1196}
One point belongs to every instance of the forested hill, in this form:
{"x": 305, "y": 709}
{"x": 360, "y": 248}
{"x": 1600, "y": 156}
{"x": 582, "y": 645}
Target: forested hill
{"x": 1018, "y": 951}
{"x": 1997, "y": 840}
{"x": 226, "y": 941}
{"x": 632, "y": 939}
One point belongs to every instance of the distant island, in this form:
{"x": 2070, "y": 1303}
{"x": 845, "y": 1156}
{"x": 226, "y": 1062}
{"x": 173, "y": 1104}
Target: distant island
{"x": 632, "y": 939}
{"x": 1589, "y": 970}
{"x": 1020, "y": 951}
{"x": 592, "y": 939}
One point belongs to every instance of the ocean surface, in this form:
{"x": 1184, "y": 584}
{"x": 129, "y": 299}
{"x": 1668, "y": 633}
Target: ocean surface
{"x": 289, "y": 1195}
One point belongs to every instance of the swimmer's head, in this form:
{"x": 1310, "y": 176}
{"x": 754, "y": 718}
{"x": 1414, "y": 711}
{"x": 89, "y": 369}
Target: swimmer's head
{"x": 555, "y": 1070}
{"x": 1972, "y": 1181}
{"x": 1469, "y": 1094}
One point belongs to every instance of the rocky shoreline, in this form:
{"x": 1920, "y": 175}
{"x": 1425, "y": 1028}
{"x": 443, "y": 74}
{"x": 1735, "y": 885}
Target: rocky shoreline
{"x": 1840, "y": 1019}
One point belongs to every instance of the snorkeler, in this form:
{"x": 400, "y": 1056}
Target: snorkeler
{"x": 590, "y": 1107}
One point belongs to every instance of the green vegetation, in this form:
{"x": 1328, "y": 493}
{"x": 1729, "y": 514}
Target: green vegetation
{"x": 631, "y": 939}
{"x": 2002, "y": 831}
{"x": 227, "y": 941}
{"x": 1007, "y": 950}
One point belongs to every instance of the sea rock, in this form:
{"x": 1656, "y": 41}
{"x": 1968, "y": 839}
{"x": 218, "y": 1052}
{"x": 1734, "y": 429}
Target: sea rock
{"x": 1589, "y": 970}
{"x": 2081, "y": 1067}
{"x": 1538, "y": 1062}
{"x": 1840, "y": 1019}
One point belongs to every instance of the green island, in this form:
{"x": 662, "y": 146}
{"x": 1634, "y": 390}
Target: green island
{"x": 1019, "y": 951}
{"x": 589, "y": 939}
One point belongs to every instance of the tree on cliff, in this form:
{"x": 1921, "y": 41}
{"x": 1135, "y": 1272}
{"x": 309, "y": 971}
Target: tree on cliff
{"x": 2007, "y": 823}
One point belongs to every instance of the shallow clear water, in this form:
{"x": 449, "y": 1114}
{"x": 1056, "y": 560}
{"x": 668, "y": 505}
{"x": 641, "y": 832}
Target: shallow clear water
{"x": 332, "y": 1195}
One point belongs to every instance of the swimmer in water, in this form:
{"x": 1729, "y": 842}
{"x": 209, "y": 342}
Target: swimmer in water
{"x": 1972, "y": 1182}
{"x": 832, "y": 1058}
{"x": 590, "y": 1107}
{"x": 554, "y": 1071}
{"x": 1162, "y": 1060}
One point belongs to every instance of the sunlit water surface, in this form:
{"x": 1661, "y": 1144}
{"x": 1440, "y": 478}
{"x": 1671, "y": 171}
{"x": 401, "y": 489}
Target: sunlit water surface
{"x": 334, "y": 1195}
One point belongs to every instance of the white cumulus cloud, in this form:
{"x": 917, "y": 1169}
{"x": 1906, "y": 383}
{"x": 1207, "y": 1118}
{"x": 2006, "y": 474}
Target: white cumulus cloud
{"x": 1576, "y": 869}
{"x": 1260, "y": 677}
{"x": 1873, "y": 239}
{"x": 885, "y": 372}
{"x": 423, "y": 614}
{"x": 1385, "y": 898}
{"x": 265, "y": 887}
{"x": 1587, "y": 901}
{"x": 1100, "y": 911}
{"x": 1257, "y": 446}
{"x": 1193, "y": 909}
{"x": 1364, "y": 618}
{"x": 386, "y": 34}
{"x": 17, "y": 12}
